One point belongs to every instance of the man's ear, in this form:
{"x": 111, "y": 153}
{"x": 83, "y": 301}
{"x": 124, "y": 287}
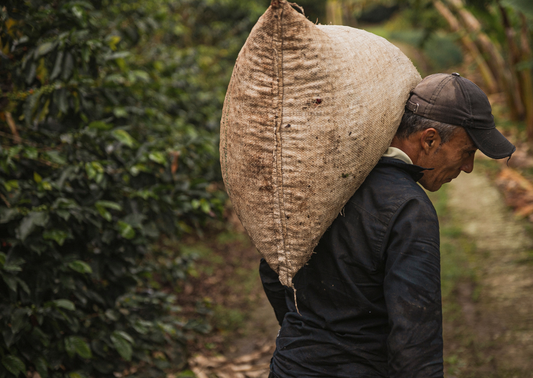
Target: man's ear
{"x": 429, "y": 140}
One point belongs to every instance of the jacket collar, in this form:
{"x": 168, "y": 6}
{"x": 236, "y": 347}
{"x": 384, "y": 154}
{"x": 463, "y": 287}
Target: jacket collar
{"x": 415, "y": 171}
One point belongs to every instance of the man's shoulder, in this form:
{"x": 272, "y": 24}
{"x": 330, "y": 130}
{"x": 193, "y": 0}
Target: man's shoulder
{"x": 393, "y": 179}
{"x": 389, "y": 186}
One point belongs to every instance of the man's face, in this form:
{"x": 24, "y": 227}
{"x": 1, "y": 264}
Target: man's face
{"x": 448, "y": 160}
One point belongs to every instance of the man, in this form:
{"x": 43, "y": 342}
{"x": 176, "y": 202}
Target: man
{"x": 369, "y": 299}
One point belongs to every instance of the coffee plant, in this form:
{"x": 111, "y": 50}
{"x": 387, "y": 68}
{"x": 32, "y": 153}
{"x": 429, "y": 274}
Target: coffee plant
{"x": 109, "y": 115}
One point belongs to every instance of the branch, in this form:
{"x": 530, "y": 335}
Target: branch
{"x": 13, "y": 127}
{"x": 5, "y": 200}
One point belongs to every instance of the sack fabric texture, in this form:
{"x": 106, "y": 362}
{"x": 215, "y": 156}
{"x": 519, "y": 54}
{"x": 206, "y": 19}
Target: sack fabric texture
{"x": 308, "y": 113}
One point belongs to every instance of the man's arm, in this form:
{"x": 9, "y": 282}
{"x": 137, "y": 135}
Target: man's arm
{"x": 413, "y": 294}
{"x": 274, "y": 290}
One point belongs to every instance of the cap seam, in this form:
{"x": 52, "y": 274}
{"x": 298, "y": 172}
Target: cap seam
{"x": 436, "y": 93}
{"x": 466, "y": 121}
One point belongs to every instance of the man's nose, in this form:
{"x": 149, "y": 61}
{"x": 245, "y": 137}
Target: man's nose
{"x": 468, "y": 165}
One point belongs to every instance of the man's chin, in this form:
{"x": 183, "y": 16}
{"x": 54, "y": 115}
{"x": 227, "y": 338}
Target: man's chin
{"x": 431, "y": 188}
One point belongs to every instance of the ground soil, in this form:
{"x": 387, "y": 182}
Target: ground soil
{"x": 241, "y": 342}
{"x": 494, "y": 329}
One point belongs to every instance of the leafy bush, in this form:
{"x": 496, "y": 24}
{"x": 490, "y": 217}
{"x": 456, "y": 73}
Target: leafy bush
{"x": 108, "y": 127}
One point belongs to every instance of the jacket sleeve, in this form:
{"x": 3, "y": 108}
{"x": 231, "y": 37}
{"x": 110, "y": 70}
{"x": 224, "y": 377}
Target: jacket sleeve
{"x": 412, "y": 292}
{"x": 274, "y": 290}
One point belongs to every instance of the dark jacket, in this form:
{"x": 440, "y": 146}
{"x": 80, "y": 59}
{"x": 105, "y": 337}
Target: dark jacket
{"x": 369, "y": 299}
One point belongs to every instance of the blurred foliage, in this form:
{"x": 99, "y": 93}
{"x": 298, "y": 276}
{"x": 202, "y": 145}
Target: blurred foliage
{"x": 108, "y": 127}
{"x": 497, "y": 35}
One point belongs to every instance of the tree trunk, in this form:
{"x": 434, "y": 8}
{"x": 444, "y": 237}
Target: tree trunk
{"x": 470, "y": 46}
{"x": 500, "y": 69}
{"x": 514, "y": 57}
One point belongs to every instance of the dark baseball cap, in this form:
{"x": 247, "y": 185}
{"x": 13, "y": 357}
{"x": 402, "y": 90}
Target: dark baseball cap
{"x": 452, "y": 99}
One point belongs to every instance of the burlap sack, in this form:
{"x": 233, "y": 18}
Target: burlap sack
{"x": 309, "y": 111}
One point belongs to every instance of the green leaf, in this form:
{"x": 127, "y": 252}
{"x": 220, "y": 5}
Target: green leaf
{"x": 13, "y": 151}
{"x": 124, "y": 137}
{"x": 10, "y": 281}
{"x": 93, "y": 170}
{"x": 19, "y": 319}
{"x": 141, "y": 326}
{"x": 158, "y": 157}
{"x": 9, "y": 267}
{"x": 102, "y": 205}
{"x": 195, "y": 204}
{"x": 13, "y": 264}
{"x": 65, "y": 203}
{"x": 43, "y": 337}
{"x": 31, "y": 152}
{"x": 75, "y": 344}
{"x": 62, "y": 100}
{"x": 23, "y": 285}
{"x": 65, "y": 214}
{"x": 126, "y": 230}
{"x": 109, "y": 205}
{"x": 82, "y": 348}
{"x": 122, "y": 346}
{"x": 55, "y": 157}
{"x": 64, "y": 303}
{"x": 44, "y": 49}
{"x": 31, "y": 71}
{"x": 86, "y": 54}
{"x": 9, "y": 338}
{"x": 57, "y": 235}
{"x": 42, "y": 367}
{"x": 11, "y": 184}
{"x": 80, "y": 267}
{"x": 78, "y": 12}
{"x": 104, "y": 213}
{"x": 204, "y": 204}
{"x": 125, "y": 336}
{"x": 120, "y": 112}
{"x": 112, "y": 41}
{"x": 13, "y": 364}
{"x": 7, "y": 215}
{"x": 32, "y": 220}
{"x": 99, "y": 125}
{"x": 57, "y": 65}
{"x": 141, "y": 75}
{"x": 69, "y": 347}
{"x": 68, "y": 66}
{"x": 37, "y": 177}
{"x": 118, "y": 55}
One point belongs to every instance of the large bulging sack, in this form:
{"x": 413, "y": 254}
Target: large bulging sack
{"x": 309, "y": 111}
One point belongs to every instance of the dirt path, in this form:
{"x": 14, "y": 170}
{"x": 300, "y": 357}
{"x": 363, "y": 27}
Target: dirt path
{"x": 249, "y": 356}
{"x": 493, "y": 336}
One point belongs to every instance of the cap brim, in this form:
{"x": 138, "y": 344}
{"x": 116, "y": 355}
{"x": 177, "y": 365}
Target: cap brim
{"x": 491, "y": 142}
